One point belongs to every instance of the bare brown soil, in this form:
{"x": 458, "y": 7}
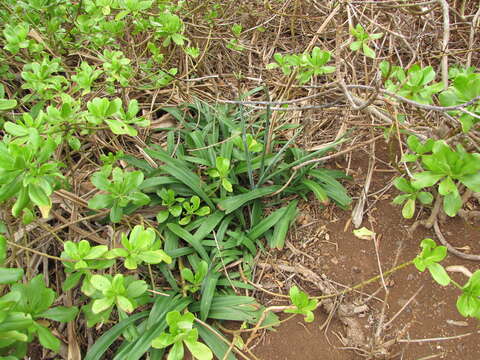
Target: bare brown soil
{"x": 324, "y": 244}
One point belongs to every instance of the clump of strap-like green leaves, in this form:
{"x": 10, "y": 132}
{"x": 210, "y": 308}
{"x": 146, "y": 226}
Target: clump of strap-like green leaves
{"x": 213, "y": 191}
{"x": 235, "y": 180}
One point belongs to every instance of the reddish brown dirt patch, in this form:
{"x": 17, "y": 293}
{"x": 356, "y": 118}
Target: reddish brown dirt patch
{"x": 324, "y": 244}
{"x": 298, "y": 340}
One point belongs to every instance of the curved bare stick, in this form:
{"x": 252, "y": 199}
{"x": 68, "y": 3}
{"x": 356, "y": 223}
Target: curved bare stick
{"x": 450, "y": 248}
{"x": 417, "y": 104}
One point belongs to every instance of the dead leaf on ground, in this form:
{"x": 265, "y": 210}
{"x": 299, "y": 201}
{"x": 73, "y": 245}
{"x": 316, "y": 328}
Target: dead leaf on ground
{"x": 364, "y": 233}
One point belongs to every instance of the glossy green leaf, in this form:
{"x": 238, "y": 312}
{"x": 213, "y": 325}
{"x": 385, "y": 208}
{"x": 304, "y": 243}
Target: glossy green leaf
{"x": 59, "y": 313}
{"x": 155, "y": 257}
{"x": 468, "y": 304}
{"x": 446, "y": 186}
{"x": 38, "y": 196}
{"x": 408, "y": 209}
{"x": 439, "y": 274}
{"x": 10, "y": 275}
{"x": 425, "y": 179}
{"x": 403, "y": 184}
{"x": 368, "y": 51}
{"x": 452, "y": 203}
{"x": 100, "y": 282}
{"x": 425, "y": 198}
{"x": 124, "y": 303}
{"x": 472, "y": 181}
{"x": 101, "y": 201}
{"x": 7, "y": 104}
{"x": 400, "y": 199}
{"x": 431, "y": 253}
{"x": 102, "y": 304}
{"x": 227, "y": 185}
{"x": 198, "y": 350}
{"x": 47, "y": 339}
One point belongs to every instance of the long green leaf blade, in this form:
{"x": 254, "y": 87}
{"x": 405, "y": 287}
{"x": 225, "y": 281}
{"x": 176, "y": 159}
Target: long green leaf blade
{"x": 208, "y": 290}
{"x": 179, "y": 171}
{"x": 103, "y": 343}
{"x": 153, "y": 183}
{"x": 189, "y": 238}
{"x": 212, "y": 340}
{"x": 137, "y": 349}
{"x": 208, "y": 225}
{"x": 281, "y": 227}
{"x": 266, "y": 223}
{"x": 333, "y": 188}
{"x": 232, "y": 203}
{"x": 317, "y": 190}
